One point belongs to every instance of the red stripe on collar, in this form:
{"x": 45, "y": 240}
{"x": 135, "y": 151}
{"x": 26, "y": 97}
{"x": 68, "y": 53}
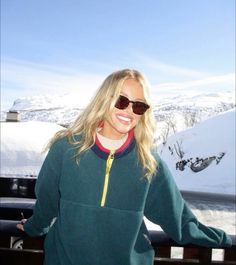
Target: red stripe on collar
{"x": 124, "y": 145}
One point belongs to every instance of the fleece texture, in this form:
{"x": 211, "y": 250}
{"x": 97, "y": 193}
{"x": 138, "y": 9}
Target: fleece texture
{"x": 79, "y": 231}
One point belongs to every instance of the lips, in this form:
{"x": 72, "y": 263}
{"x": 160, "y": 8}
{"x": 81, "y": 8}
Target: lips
{"x": 125, "y": 119}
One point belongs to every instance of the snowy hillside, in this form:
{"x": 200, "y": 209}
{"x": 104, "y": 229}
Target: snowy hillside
{"x": 202, "y": 158}
{"x": 63, "y": 109}
{"x": 60, "y": 109}
{"x": 177, "y": 113}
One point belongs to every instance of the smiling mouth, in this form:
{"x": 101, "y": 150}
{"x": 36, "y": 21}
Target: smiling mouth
{"x": 124, "y": 119}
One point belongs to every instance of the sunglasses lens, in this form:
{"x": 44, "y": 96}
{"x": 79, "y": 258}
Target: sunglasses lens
{"x": 122, "y": 102}
{"x": 139, "y": 108}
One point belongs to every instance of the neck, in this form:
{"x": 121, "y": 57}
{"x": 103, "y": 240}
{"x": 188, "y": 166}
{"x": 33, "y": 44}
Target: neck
{"x": 118, "y": 145}
{"x": 113, "y": 136}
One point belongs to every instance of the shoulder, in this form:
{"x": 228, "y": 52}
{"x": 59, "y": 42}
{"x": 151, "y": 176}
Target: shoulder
{"x": 159, "y": 160}
{"x": 61, "y": 146}
{"x": 163, "y": 172}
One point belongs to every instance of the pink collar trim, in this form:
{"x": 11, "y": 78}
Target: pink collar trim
{"x": 124, "y": 145}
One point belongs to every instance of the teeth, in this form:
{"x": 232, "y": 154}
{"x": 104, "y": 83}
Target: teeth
{"x": 124, "y": 118}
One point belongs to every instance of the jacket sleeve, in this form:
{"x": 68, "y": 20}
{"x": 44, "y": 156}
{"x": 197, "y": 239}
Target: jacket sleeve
{"x": 166, "y": 207}
{"x": 47, "y": 193}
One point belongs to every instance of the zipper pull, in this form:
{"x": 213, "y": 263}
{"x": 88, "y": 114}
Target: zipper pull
{"x": 109, "y": 161}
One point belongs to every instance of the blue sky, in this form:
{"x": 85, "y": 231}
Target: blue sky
{"x": 61, "y": 46}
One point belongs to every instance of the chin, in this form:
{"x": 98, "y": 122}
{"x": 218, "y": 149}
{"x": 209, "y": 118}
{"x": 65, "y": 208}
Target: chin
{"x": 123, "y": 130}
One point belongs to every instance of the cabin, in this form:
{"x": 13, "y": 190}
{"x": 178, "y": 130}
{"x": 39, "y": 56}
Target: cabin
{"x": 13, "y": 116}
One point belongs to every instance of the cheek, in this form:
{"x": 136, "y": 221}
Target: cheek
{"x": 111, "y": 118}
{"x": 137, "y": 119}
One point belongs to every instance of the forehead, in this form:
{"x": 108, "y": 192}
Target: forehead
{"x": 133, "y": 89}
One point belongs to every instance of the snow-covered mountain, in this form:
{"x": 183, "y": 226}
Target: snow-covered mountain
{"x": 60, "y": 109}
{"x": 63, "y": 109}
{"x": 177, "y": 113}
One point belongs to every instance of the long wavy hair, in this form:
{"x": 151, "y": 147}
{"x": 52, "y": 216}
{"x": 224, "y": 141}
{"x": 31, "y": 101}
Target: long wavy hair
{"x": 104, "y": 101}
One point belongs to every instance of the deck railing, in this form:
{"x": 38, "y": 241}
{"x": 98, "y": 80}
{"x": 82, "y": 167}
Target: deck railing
{"x": 32, "y": 252}
{"x": 189, "y": 254}
{"x": 167, "y": 252}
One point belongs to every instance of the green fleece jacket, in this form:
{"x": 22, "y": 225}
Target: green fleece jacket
{"x": 93, "y": 212}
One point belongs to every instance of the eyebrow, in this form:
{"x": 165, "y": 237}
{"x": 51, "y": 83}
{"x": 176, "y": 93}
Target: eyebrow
{"x": 136, "y": 99}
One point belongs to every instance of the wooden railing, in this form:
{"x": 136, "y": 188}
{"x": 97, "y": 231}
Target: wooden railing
{"x": 191, "y": 254}
{"x": 32, "y": 252}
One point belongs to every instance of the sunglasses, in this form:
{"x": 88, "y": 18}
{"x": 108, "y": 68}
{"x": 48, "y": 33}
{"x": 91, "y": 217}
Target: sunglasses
{"x": 138, "y": 107}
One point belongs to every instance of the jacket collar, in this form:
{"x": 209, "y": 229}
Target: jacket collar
{"x": 127, "y": 147}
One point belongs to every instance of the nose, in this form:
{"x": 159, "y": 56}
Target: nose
{"x": 130, "y": 107}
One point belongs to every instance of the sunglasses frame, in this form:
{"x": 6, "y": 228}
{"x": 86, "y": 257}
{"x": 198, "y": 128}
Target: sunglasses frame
{"x": 135, "y": 105}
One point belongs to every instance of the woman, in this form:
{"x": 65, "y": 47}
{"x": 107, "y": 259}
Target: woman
{"x": 102, "y": 176}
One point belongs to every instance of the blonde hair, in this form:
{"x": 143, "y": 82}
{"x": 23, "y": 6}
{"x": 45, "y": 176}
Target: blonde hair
{"x": 104, "y": 100}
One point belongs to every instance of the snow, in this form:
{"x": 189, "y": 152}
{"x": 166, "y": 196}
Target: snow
{"x": 208, "y": 138}
{"x": 22, "y": 145}
{"x": 192, "y": 99}
{"x": 43, "y": 102}
{"x": 64, "y": 108}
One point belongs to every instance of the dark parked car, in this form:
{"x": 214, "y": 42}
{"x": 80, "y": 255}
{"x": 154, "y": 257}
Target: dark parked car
{"x": 16, "y": 202}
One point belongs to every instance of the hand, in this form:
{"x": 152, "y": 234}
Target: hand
{"x": 21, "y": 225}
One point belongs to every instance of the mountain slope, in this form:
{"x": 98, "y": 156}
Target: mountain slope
{"x": 63, "y": 109}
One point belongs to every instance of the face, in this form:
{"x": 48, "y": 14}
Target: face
{"x": 118, "y": 122}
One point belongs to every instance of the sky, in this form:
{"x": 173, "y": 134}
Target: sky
{"x": 53, "y": 47}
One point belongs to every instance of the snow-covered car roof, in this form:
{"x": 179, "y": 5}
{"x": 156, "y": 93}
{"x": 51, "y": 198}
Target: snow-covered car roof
{"x": 22, "y": 145}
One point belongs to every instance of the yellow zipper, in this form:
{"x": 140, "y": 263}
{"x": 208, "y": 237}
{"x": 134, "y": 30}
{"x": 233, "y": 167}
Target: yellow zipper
{"x": 107, "y": 175}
